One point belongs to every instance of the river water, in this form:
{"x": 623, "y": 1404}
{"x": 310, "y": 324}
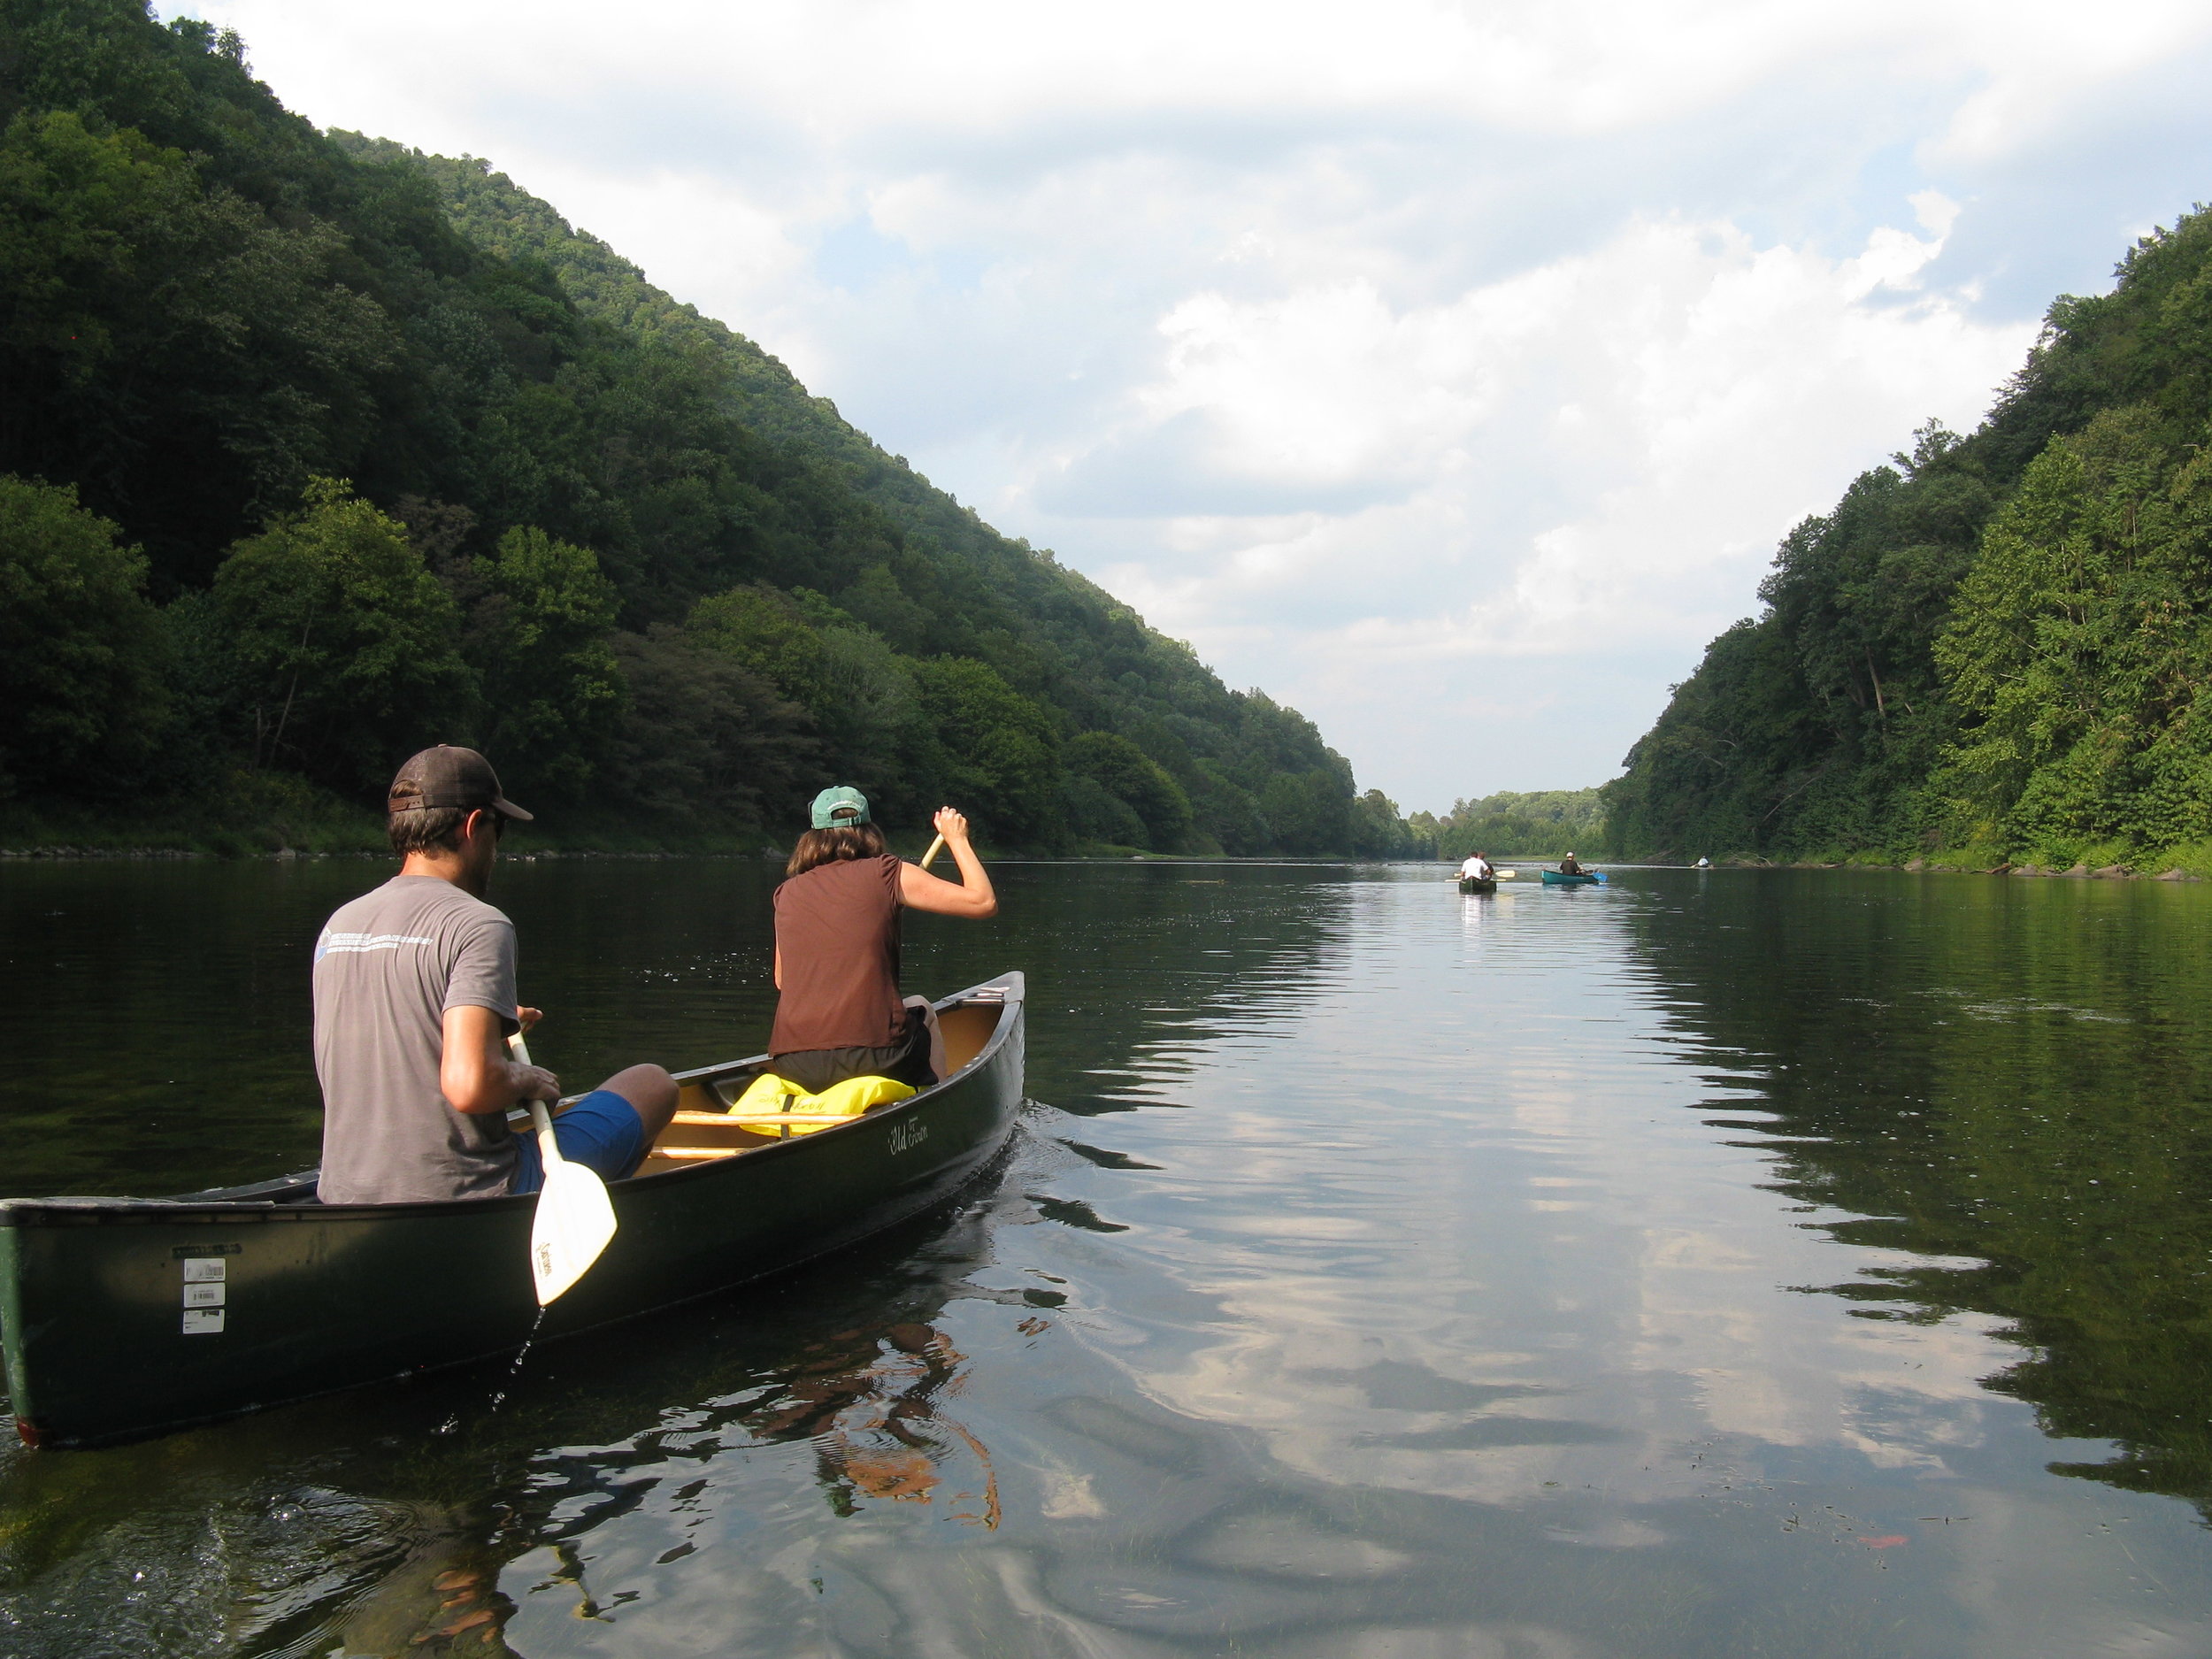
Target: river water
{"x": 1750, "y": 1263}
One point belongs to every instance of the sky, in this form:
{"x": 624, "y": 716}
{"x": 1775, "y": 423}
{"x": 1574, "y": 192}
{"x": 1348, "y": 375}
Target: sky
{"x": 1447, "y": 371}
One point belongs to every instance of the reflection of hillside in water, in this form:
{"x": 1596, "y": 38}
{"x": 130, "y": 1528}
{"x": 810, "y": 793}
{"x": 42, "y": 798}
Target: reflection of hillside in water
{"x": 2017, "y": 1073}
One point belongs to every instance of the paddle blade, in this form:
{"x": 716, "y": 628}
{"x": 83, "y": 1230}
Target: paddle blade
{"x": 575, "y": 1219}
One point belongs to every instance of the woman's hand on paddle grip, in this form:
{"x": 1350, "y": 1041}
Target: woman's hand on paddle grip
{"x": 971, "y": 895}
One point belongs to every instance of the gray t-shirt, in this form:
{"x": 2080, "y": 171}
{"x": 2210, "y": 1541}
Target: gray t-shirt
{"x": 386, "y": 967}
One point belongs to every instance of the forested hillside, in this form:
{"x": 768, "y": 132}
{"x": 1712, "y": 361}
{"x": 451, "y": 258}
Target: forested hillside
{"x": 313, "y": 450}
{"x": 1999, "y": 647}
{"x": 1549, "y": 822}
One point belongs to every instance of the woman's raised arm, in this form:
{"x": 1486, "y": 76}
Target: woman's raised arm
{"x": 970, "y": 896}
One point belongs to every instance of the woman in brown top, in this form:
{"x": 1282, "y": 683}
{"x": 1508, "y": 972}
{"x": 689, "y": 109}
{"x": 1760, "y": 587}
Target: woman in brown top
{"x": 837, "y": 946}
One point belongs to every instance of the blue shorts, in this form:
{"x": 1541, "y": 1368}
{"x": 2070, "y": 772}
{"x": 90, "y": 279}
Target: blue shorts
{"x": 602, "y": 1131}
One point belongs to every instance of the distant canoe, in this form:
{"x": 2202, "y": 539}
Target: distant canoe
{"x": 1552, "y": 878}
{"x": 1478, "y": 883}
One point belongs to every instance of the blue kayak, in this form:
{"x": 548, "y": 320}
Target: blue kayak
{"x": 1552, "y": 878}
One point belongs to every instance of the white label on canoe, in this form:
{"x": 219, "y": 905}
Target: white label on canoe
{"x": 205, "y": 1272}
{"x": 203, "y": 1295}
{"x": 202, "y": 1322}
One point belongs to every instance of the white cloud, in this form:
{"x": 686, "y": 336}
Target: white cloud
{"x": 1448, "y": 370}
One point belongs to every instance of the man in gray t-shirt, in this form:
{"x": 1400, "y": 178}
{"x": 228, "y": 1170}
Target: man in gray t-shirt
{"x": 390, "y": 967}
{"x": 414, "y": 999}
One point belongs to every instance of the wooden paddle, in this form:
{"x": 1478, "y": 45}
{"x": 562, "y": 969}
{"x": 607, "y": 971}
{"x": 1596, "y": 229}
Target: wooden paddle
{"x": 575, "y": 1219}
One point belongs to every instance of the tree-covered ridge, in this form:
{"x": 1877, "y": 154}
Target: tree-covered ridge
{"x": 370, "y": 449}
{"x": 1995, "y": 646}
{"x": 1546, "y": 822}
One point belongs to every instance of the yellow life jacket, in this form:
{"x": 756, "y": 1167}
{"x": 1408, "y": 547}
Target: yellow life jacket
{"x": 769, "y": 1095}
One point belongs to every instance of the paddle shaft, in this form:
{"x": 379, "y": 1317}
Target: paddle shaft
{"x": 935, "y": 847}
{"x": 541, "y": 1119}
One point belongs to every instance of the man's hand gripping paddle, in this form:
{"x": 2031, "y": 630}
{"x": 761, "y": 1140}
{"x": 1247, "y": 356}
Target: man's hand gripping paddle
{"x": 575, "y": 1218}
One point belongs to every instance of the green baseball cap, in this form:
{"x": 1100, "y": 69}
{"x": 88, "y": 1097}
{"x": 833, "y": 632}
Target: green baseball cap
{"x": 840, "y": 807}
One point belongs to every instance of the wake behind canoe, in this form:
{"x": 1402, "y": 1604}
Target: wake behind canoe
{"x": 123, "y": 1317}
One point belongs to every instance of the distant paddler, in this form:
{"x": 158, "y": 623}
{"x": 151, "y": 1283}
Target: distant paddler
{"x": 1572, "y": 866}
{"x": 840, "y": 1013}
{"x": 1477, "y": 869}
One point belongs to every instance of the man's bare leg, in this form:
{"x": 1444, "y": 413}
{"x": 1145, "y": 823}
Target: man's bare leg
{"x": 652, "y": 1092}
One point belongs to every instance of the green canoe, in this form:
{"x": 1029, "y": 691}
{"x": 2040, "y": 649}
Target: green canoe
{"x": 124, "y": 1317}
{"x": 1478, "y": 883}
{"x": 1552, "y": 878}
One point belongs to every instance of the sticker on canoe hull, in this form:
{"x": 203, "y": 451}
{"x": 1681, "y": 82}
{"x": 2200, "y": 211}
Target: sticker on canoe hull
{"x": 206, "y": 1272}
{"x": 205, "y": 1296}
{"x": 202, "y": 1322}
{"x": 907, "y": 1135}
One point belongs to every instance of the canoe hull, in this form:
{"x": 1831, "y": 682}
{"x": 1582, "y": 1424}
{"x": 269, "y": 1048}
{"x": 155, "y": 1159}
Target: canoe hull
{"x": 1552, "y": 878}
{"x": 1478, "y": 883}
{"x": 98, "y": 1340}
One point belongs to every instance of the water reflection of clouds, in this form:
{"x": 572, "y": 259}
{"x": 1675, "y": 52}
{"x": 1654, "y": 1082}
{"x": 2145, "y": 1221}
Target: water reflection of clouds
{"x": 1631, "y": 1260}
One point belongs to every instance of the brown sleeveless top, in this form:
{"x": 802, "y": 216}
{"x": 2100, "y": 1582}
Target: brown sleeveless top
{"x": 837, "y": 927}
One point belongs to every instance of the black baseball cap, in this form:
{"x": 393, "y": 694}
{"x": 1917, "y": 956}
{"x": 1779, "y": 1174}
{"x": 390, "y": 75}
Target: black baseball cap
{"x": 448, "y": 776}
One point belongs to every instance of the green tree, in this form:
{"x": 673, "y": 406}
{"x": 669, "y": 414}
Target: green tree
{"x": 344, "y": 646}
{"x": 1307, "y": 813}
{"x": 859, "y": 695}
{"x": 2081, "y": 652}
{"x": 703, "y": 742}
{"x": 765, "y": 631}
{"x": 160, "y": 333}
{"x": 1131, "y": 777}
{"x": 998, "y": 757}
{"x": 82, "y": 654}
{"x": 553, "y": 691}
{"x": 1379, "y": 830}
{"x": 1095, "y": 814}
